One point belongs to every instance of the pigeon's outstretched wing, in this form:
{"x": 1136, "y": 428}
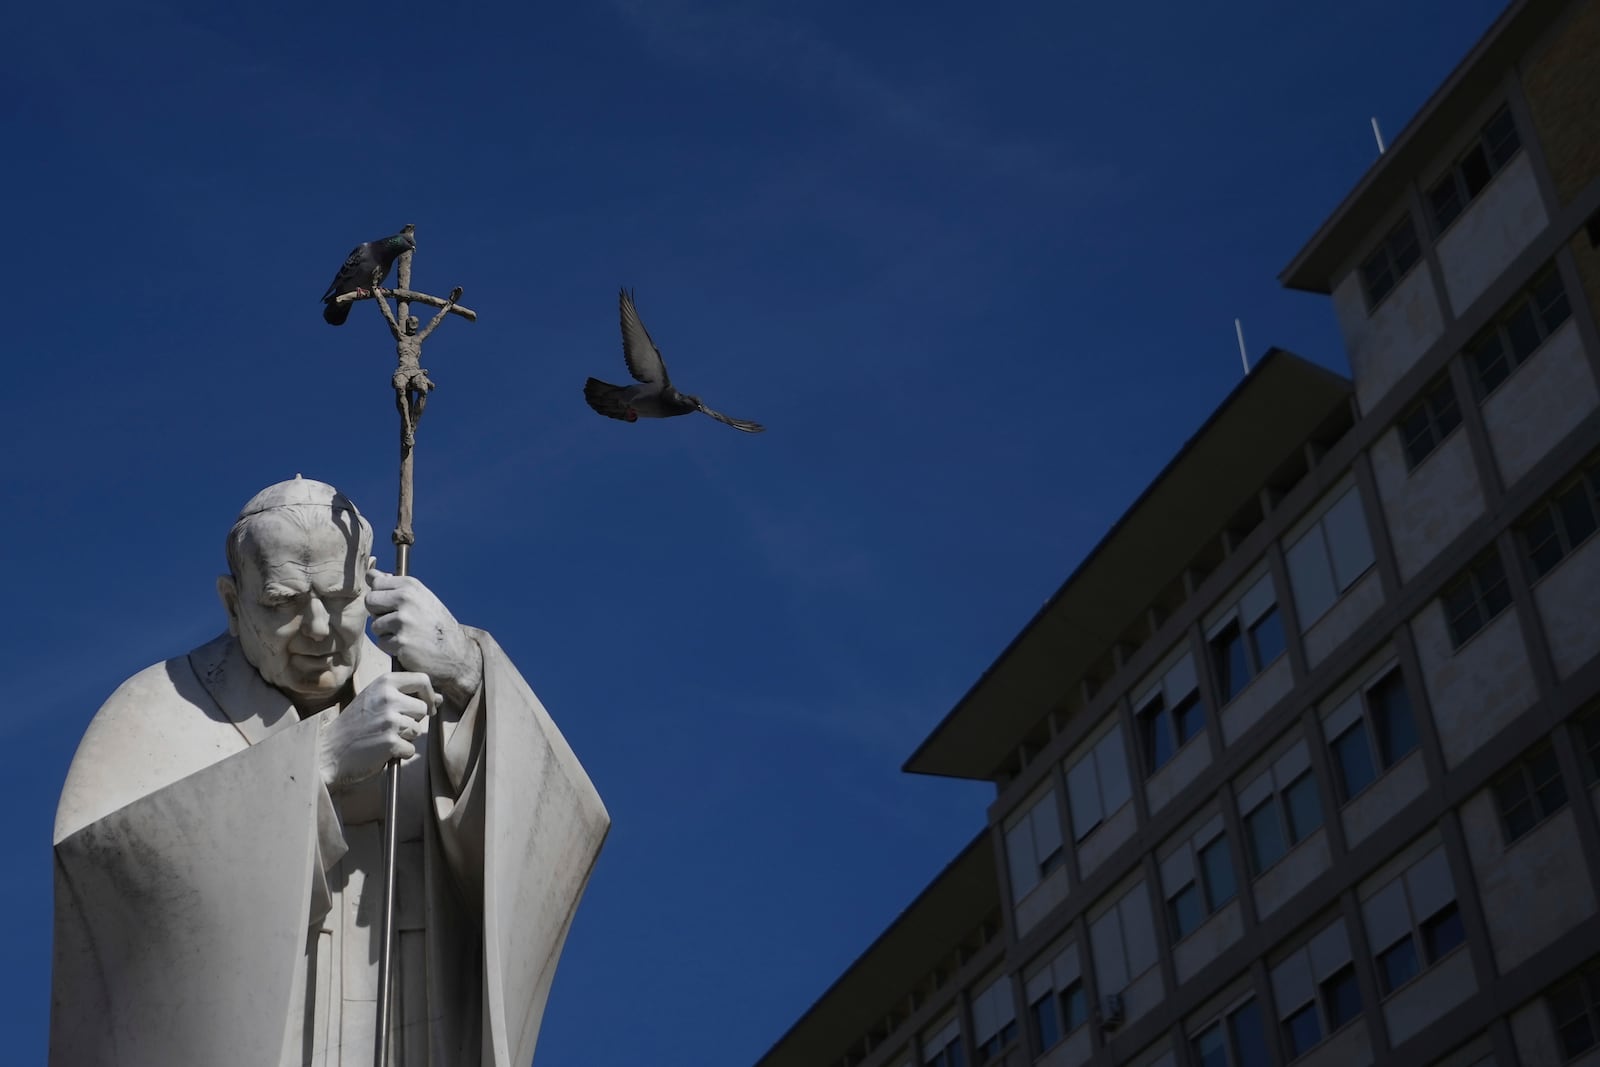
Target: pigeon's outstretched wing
{"x": 609, "y": 400}
{"x": 738, "y": 424}
{"x": 644, "y": 358}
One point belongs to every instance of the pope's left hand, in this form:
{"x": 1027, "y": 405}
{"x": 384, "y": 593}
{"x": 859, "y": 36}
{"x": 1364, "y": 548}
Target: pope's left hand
{"x": 412, "y": 625}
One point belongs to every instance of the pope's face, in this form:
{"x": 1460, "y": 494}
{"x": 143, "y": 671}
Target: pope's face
{"x": 299, "y": 610}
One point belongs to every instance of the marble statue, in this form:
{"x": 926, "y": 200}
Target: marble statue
{"x": 218, "y": 843}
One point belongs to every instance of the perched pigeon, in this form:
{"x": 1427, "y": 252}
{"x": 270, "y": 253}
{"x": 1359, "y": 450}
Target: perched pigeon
{"x": 357, "y": 272}
{"x": 654, "y": 397}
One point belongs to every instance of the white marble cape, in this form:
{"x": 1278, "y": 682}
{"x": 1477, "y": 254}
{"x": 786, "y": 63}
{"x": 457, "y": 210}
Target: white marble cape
{"x": 192, "y": 843}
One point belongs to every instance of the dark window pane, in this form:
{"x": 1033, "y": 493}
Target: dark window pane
{"x": 1489, "y": 362}
{"x": 1515, "y": 804}
{"x": 1522, "y": 331}
{"x": 1265, "y": 837}
{"x": 1461, "y": 611}
{"x": 1396, "y": 965}
{"x": 1493, "y": 593}
{"x": 1403, "y": 249}
{"x": 1210, "y": 1048}
{"x": 1444, "y": 202}
{"x": 1548, "y": 789}
{"x": 1391, "y": 718}
{"x": 1302, "y": 1030}
{"x": 1249, "y": 1039}
{"x": 1189, "y": 717}
{"x": 1352, "y": 758}
{"x": 1376, "y": 276}
{"x": 1341, "y": 997}
{"x": 1475, "y": 170}
{"x": 1442, "y": 931}
{"x": 1186, "y": 911}
{"x": 1500, "y": 136}
{"x": 1228, "y": 656}
{"x": 1046, "y": 1027}
{"x": 1589, "y": 737}
{"x": 1156, "y": 735}
{"x": 1550, "y": 297}
{"x": 1074, "y": 1006}
{"x": 1446, "y": 414}
{"x": 1216, "y": 868}
{"x": 1576, "y": 1036}
{"x": 1577, "y": 517}
{"x": 1304, "y": 807}
{"x": 1266, "y": 634}
{"x": 1416, "y": 435}
{"x": 1544, "y": 545}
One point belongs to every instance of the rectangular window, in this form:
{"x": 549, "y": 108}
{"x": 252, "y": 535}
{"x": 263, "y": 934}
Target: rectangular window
{"x": 1491, "y": 150}
{"x": 1170, "y": 714}
{"x": 1529, "y": 792}
{"x": 1236, "y": 1040}
{"x": 1313, "y": 988}
{"x": 1588, "y": 737}
{"x": 994, "y": 1020}
{"x": 1475, "y": 597}
{"x": 1097, "y": 785}
{"x": 1057, "y": 1004}
{"x": 1341, "y": 997}
{"x": 1391, "y": 261}
{"x": 1246, "y": 638}
{"x": 1123, "y": 941}
{"x": 1524, "y": 325}
{"x": 1575, "y": 1011}
{"x": 1414, "y": 921}
{"x": 1430, "y": 420}
{"x": 1280, "y": 809}
{"x": 1370, "y": 732}
{"x": 1563, "y": 521}
{"x": 942, "y": 1048}
{"x": 1325, "y": 561}
{"x": 1033, "y": 846}
{"x": 1197, "y": 877}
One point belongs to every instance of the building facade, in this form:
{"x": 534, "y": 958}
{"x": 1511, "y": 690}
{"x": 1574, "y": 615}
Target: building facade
{"x": 1302, "y": 763}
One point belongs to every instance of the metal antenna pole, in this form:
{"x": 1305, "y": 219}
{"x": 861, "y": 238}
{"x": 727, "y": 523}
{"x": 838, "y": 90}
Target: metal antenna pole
{"x": 411, "y": 389}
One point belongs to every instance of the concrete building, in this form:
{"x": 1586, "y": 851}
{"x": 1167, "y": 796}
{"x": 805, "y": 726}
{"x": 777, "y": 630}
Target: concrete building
{"x": 1300, "y": 764}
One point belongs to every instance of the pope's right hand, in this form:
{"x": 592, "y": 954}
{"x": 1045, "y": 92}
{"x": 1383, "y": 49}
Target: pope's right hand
{"x": 380, "y": 724}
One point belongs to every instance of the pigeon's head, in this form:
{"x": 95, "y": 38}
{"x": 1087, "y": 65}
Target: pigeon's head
{"x": 400, "y": 242}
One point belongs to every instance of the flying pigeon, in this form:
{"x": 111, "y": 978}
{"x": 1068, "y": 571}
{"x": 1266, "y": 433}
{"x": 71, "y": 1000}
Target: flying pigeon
{"x": 357, "y": 272}
{"x": 654, "y": 397}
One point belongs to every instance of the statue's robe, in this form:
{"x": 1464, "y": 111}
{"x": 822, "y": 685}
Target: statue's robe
{"x": 215, "y": 903}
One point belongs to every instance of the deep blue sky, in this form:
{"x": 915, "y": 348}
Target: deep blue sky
{"x": 975, "y": 267}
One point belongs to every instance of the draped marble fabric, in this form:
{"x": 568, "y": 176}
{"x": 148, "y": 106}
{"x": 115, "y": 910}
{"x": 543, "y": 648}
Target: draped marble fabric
{"x": 215, "y": 903}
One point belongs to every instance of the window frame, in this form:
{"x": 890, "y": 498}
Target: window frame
{"x": 1415, "y": 937}
{"x": 1495, "y": 157}
{"x": 1440, "y": 412}
{"x": 1244, "y": 617}
{"x": 1338, "y": 724}
{"x": 1301, "y": 980}
{"x": 1522, "y": 776}
{"x": 1327, "y": 553}
{"x": 1064, "y": 994}
{"x": 1190, "y": 853}
{"x": 1399, "y": 242}
{"x": 1584, "y": 485}
{"x": 1500, "y": 333}
{"x": 1583, "y": 985}
{"x": 1225, "y": 1024}
{"x": 1475, "y": 598}
{"x": 1294, "y": 765}
{"x": 1041, "y": 867}
{"x": 1159, "y": 712}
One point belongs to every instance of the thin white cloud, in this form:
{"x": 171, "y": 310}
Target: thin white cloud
{"x": 771, "y": 43}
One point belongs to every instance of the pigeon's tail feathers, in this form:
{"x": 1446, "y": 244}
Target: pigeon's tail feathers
{"x": 607, "y": 400}
{"x": 335, "y": 314}
{"x": 738, "y": 424}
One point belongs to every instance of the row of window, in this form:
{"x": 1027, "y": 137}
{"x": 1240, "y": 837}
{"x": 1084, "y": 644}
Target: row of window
{"x": 1412, "y": 923}
{"x": 1556, "y": 526}
{"x": 1495, "y": 145}
{"x": 1518, "y": 331}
